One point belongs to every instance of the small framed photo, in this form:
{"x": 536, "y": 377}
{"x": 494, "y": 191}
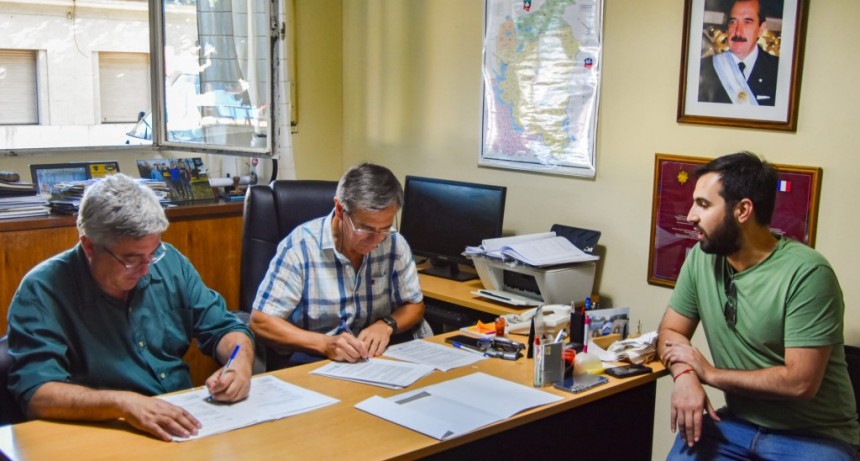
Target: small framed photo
{"x": 795, "y": 212}
{"x": 741, "y": 63}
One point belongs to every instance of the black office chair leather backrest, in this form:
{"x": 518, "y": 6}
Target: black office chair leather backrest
{"x": 271, "y": 213}
{"x": 852, "y": 358}
{"x": 9, "y": 411}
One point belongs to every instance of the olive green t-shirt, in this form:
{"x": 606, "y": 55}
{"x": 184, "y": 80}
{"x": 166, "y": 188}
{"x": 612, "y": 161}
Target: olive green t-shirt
{"x": 791, "y": 299}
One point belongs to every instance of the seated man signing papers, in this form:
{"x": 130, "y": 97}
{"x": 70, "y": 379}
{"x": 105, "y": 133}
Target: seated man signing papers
{"x": 772, "y": 312}
{"x": 96, "y": 330}
{"x": 340, "y": 286}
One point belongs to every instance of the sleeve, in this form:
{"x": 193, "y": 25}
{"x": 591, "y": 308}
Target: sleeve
{"x": 815, "y": 310}
{"x": 283, "y": 285}
{"x": 684, "y": 299}
{"x": 211, "y": 319}
{"x": 37, "y": 342}
{"x": 407, "y": 287}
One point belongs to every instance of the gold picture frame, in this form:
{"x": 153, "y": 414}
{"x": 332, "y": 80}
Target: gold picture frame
{"x": 713, "y": 91}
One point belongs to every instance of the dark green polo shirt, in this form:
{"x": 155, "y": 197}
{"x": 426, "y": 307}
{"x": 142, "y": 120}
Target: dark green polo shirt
{"x": 62, "y": 327}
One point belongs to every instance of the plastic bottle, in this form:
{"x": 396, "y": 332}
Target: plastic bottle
{"x": 586, "y": 362}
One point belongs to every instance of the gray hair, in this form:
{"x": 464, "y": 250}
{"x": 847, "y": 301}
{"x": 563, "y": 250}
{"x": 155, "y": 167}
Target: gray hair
{"x": 369, "y": 187}
{"x": 117, "y": 207}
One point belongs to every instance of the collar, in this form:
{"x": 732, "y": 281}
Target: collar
{"x": 748, "y": 61}
{"x": 326, "y": 235}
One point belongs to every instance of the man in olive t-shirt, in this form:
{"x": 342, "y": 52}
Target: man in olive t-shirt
{"x": 772, "y": 311}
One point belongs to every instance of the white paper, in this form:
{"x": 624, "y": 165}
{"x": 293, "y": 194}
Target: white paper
{"x": 378, "y": 372}
{"x": 438, "y": 356}
{"x": 458, "y": 406}
{"x": 270, "y": 398}
{"x": 546, "y": 252}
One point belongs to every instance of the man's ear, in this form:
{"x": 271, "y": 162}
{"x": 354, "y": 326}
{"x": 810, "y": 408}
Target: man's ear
{"x": 338, "y": 209}
{"x": 88, "y": 245}
{"x": 744, "y": 210}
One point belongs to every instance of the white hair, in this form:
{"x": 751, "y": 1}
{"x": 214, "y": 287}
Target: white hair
{"x": 117, "y": 207}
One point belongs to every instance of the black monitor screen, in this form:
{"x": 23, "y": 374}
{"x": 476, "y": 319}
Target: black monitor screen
{"x": 440, "y": 218}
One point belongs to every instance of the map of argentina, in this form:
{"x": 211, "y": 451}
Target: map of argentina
{"x": 541, "y": 83}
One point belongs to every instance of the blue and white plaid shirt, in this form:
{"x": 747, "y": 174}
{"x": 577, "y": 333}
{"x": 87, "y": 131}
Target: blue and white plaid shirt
{"x": 313, "y": 286}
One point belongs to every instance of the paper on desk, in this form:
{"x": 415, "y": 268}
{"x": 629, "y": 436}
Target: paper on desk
{"x": 438, "y": 356}
{"x": 458, "y": 406}
{"x": 635, "y": 350}
{"x": 384, "y": 373}
{"x": 492, "y": 247}
{"x": 269, "y": 399}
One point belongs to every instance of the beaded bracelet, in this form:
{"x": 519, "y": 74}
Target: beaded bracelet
{"x": 674, "y": 378}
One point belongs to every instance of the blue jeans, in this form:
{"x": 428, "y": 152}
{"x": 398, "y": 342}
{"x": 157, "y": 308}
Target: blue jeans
{"x": 735, "y": 439}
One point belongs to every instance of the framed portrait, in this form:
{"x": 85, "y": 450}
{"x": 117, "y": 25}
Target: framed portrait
{"x": 741, "y": 63}
{"x": 672, "y": 237}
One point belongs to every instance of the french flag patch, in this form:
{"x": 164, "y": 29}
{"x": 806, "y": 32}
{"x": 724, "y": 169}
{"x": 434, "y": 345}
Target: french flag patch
{"x": 784, "y": 186}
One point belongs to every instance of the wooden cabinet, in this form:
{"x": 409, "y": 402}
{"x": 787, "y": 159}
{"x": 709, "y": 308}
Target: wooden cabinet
{"x": 210, "y": 235}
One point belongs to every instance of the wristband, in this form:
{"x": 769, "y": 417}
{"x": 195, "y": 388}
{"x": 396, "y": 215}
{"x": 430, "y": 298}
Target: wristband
{"x": 675, "y": 378}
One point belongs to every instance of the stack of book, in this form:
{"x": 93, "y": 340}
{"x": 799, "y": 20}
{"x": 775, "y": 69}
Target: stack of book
{"x": 19, "y": 199}
{"x": 66, "y": 196}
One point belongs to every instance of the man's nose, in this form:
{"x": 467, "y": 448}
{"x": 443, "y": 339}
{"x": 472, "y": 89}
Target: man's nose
{"x": 691, "y": 216}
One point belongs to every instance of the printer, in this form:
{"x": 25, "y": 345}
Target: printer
{"x": 516, "y": 283}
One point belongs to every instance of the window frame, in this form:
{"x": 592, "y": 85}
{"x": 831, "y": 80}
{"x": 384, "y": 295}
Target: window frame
{"x": 156, "y": 8}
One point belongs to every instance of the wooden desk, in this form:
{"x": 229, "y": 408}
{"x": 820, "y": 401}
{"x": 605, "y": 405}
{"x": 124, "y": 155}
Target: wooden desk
{"x": 614, "y": 421}
{"x": 460, "y": 293}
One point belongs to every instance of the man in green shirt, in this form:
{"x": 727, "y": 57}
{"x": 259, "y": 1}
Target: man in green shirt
{"x": 772, "y": 312}
{"x": 95, "y": 331}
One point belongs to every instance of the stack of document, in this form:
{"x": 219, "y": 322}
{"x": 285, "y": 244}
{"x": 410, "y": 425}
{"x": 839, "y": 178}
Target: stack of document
{"x": 438, "y": 356}
{"x": 541, "y": 249}
{"x": 377, "y": 372}
{"x": 270, "y": 398}
{"x": 23, "y": 206}
{"x": 457, "y": 406}
{"x": 641, "y": 349}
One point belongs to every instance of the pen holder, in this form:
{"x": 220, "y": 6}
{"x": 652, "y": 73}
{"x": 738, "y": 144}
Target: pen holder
{"x": 549, "y": 364}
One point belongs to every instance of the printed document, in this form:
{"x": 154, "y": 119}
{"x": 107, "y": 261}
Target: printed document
{"x": 438, "y": 356}
{"x": 540, "y": 249}
{"x": 270, "y": 399}
{"x": 458, "y": 406}
{"x": 378, "y": 372}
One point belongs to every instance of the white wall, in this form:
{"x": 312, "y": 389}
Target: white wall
{"x": 412, "y": 88}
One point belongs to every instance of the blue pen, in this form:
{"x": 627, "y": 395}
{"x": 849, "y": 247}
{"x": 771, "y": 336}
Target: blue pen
{"x": 345, "y": 327}
{"x": 229, "y": 362}
{"x": 468, "y": 348}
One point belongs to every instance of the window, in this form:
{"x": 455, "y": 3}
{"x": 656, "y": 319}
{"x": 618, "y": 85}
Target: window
{"x": 92, "y": 83}
{"x": 18, "y": 88}
{"x": 123, "y": 86}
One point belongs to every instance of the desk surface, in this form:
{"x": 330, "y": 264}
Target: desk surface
{"x": 460, "y": 293}
{"x": 336, "y": 431}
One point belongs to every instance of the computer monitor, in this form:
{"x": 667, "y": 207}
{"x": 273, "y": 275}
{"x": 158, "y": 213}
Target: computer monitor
{"x": 45, "y": 176}
{"x": 441, "y": 218}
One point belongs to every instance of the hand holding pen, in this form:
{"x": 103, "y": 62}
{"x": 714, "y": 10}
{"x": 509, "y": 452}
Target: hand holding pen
{"x": 346, "y": 347}
{"x": 232, "y": 382}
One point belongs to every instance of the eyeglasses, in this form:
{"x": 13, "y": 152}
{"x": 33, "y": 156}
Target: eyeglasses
{"x": 363, "y": 231}
{"x": 730, "y": 309}
{"x": 140, "y": 261}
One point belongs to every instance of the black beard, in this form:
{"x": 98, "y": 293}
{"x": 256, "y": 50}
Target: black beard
{"x": 725, "y": 239}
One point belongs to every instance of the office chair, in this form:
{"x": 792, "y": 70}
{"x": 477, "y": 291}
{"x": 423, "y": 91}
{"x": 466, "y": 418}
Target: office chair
{"x": 9, "y": 411}
{"x": 852, "y": 358}
{"x": 271, "y": 213}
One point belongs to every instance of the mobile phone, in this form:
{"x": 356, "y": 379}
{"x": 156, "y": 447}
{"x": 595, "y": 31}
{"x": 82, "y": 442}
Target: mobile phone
{"x": 581, "y": 382}
{"x": 465, "y": 340}
{"x": 627, "y": 371}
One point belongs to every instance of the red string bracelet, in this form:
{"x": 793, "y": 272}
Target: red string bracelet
{"x": 675, "y": 378}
